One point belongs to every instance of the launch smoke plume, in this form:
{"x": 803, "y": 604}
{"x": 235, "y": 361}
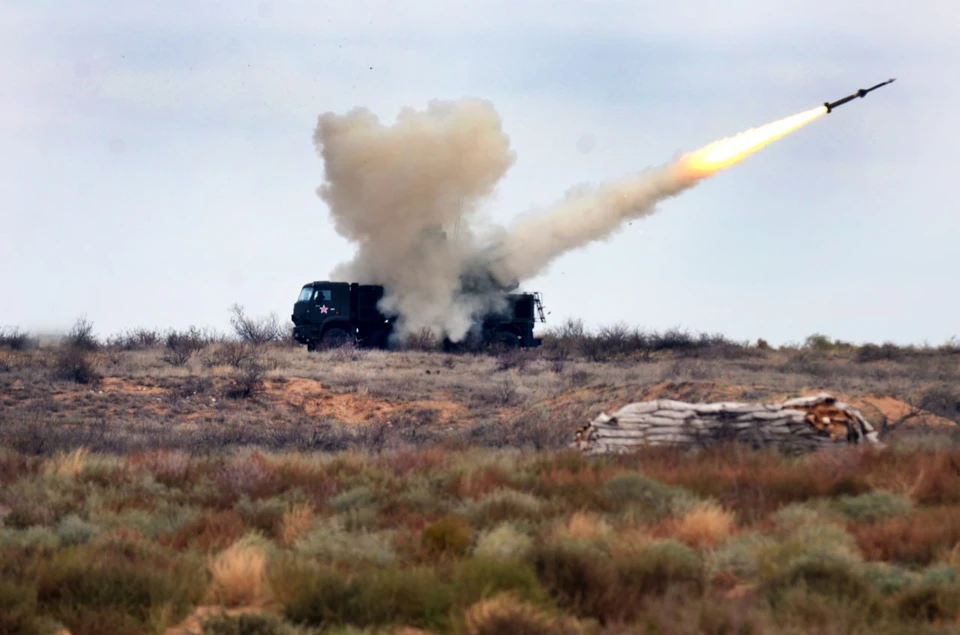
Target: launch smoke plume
{"x": 409, "y": 195}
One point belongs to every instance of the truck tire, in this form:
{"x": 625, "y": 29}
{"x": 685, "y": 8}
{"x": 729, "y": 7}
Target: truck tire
{"x": 335, "y": 338}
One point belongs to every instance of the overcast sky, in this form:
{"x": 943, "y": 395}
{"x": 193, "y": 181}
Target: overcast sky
{"x": 156, "y": 159}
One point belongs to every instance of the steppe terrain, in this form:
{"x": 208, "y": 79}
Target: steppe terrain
{"x": 181, "y": 482}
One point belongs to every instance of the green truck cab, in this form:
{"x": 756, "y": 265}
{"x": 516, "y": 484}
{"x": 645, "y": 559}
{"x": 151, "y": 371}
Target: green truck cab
{"x": 329, "y": 314}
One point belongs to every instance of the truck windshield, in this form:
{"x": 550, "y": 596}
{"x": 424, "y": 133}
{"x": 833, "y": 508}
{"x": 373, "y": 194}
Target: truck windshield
{"x": 306, "y": 294}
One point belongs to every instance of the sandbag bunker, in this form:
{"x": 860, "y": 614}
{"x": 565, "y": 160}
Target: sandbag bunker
{"x": 803, "y": 424}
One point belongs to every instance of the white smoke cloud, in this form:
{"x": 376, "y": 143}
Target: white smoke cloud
{"x": 410, "y": 195}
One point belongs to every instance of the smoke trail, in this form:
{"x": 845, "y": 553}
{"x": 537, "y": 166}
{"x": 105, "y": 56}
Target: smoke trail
{"x": 586, "y": 215}
{"x": 409, "y": 196}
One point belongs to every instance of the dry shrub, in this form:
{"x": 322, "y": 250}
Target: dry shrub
{"x": 705, "y": 525}
{"x": 240, "y": 574}
{"x": 296, "y": 522}
{"x": 167, "y": 466}
{"x": 505, "y": 615}
{"x": 450, "y": 535}
{"x": 939, "y": 480}
{"x": 257, "y": 331}
{"x": 932, "y": 603}
{"x": 67, "y": 464}
{"x": 251, "y": 475}
{"x": 583, "y": 525}
{"x": 210, "y": 530}
{"x": 503, "y": 541}
{"x": 916, "y": 539}
{"x": 73, "y": 364}
{"x": 753, "y": 483}
{"x": 181, "y": 346}
{"x": 586, "y": 580}
{"x": 503, "y": 505}
{"x": 17, "y": 340}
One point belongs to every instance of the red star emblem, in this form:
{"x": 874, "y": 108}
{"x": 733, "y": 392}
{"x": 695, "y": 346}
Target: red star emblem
{"x": 324, "y": 309}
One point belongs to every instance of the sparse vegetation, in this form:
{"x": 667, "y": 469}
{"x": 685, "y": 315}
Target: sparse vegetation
{"x": 159, "y": 474}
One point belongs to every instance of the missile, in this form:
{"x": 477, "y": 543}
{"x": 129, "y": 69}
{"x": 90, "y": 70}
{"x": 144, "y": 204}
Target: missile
{"x": 860, "y": 93}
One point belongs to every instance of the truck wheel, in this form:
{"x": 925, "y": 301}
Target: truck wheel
{"x": 335, "y": 338}
{"x": 311, "y": 346}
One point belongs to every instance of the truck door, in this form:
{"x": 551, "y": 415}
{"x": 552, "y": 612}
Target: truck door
{"x": 329, "y": 300}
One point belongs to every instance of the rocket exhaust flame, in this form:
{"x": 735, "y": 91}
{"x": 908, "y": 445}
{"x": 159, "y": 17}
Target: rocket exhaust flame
{"x": 410, "y": 196}
{"x": 724, "y": 153}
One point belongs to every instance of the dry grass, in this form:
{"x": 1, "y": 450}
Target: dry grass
{"x": 240, "y": 575}
{"x": 704, "y": 526}
{"x": 584, "y": 525}
{"x": 505, "y": 615}
{"x": 296, "y": 522}
{"x": 67, "y": 464}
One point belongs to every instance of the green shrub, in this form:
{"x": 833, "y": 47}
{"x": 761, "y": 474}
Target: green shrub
{"x": 873, "y": 506}
{"x": 646, "y": 498}
{"x": 450, "y": 535}
{"x": 940, "y": 575}
{"x": 477, "y": 578}
{"x": 503, "y": 541}
{"x": 888, "y": 579}
{"x": 658, "y": 567}
{"x": 18, "y": 609}
{"x": 820, "y": 574}
{"x": 247, "y": 624}
{"x": 73, "y": 530}
{"x": 578, "y": 576}
{"x": 930, "y": 603}
{"x": 116, "y": 590}
{"x": 331, "y": 542}
{"x": 317, "y": 596}
{"x": 503, "y": 505}
{"x": 586, "y": 580}
{"x": 740, "y": 554}
{"x": 324, "y": 597}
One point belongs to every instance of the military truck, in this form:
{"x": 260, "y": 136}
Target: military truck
{"x": 329, "y": 314}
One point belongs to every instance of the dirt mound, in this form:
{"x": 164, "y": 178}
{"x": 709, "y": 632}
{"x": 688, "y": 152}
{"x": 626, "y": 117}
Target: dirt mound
{"x": 314, "y": 400}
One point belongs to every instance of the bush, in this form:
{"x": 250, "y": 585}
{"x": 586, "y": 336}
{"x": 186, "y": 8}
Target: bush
{"x": 73, "y": 364}
{"x": 246, "y": 624}
{"x": 114, "y": 592}
{"x": 873, "y": 506}
{"x": 255, "y": 331}
{"x": 321, "y": 596}
{"x": 503, "y": 541}
{"x": 240, "y": 573}
{"x": 588, "y": 582}
{"x": 18, "y": 609}
{"x": 450, "y": 535}
{"x": 837, "y": 578}
{"x": 917, "y": 539}
{"x": 17, "y": 340}
{"x": 477, "y": 578}
{"x": 505, "y": 615}
{"x": 647, "y": 498}
{"x": 182, "y": 345}
{"x": 81, "y": 337}
{"x": 872, "y": 352}
{"x": 930, "y": 603}
{"x": 135, "y": 340}
{"x": 247, "y": 381}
